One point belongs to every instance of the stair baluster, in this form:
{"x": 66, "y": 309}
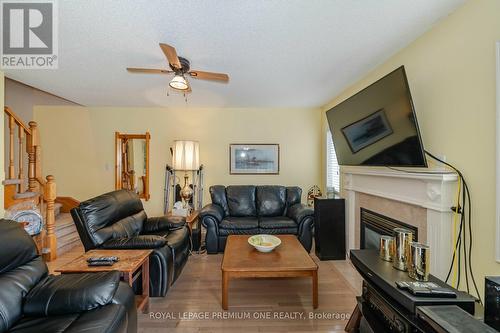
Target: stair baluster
{"x": 12, "y": 172}
{"x": 50, "y": 243}
{"x": 32, "y": 183}
{"x": 41, "y": 191}
{"x": 20, "y": 134}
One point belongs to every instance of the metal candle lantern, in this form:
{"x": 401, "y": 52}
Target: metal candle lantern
{"x": 386, "y": 248}
{"x": 419, "y": 262}
{"x": 403, "y": 239}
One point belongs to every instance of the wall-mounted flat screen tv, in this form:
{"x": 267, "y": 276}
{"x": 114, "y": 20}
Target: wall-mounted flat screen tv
{"x": 377, "y": 126}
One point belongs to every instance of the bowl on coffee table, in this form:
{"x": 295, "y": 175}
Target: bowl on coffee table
{"x": 264, "y": 243}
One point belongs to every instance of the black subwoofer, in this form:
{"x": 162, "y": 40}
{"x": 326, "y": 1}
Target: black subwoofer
{"x": 492, "y": 301}
{"x": 329, "y": 228}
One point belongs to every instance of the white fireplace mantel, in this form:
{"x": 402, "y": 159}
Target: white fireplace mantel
{"x": 434, "y": 190}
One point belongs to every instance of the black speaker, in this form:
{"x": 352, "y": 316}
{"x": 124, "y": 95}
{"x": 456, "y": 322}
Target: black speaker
{"x": 492, "y": 301}
{"x": 329, "y": 228}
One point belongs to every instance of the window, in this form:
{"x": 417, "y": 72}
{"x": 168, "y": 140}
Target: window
{"x": 332, "y": 166}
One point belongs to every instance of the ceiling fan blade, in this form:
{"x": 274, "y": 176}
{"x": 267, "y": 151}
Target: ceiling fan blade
{"x": 171, "y": 55}
{"x": 148, "y": 70}
{"x": 209, "y": 76}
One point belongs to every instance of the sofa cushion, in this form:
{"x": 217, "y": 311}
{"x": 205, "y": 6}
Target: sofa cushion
{"x": 44, "y": 324}
{"x": 218, "y": 196}
{"x": 277, "y": 222}
{"x": 239, "y": 226}
{"x": 20, "y": 270}
{"x": 241, "y": 200}
{"x": 110, "y": 208}
{"x": 271, "y": 200}
{"x": 71, "y": 293}
{"x": 109, "y": 318}
{"x": 127, "y": 227}
{"x": 14, "y": 285}
{"x": 239, "y": 223}
{"x": 278, "y": 225}
{"x": 293, "y": 195}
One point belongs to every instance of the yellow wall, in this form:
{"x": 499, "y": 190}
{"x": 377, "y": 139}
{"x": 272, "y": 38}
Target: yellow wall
{"x": 78, "y": 144}
{"x": 2, "y": 169}
{"x": 451, "y": 72}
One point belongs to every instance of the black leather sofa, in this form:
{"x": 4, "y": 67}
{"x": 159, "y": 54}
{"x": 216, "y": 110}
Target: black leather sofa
{"x": 117, "y": 220}
{"x": 249, "y": 210}
{"x": 33, "y": 301}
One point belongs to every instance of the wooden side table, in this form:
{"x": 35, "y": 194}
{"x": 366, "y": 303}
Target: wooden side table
{"x": 193, "y": 222}
{"x": 131, "y": 264}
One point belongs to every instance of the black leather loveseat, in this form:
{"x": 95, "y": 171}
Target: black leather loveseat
{"x": 33, "y": 301}
{"x": 249, "y": 210}
{"x": 117, "y": 220}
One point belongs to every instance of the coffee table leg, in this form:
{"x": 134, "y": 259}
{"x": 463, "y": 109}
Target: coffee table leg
{"x": 145, "y": 284}
{"x": 315, "y": 289}
{"x": 225, "y": 283}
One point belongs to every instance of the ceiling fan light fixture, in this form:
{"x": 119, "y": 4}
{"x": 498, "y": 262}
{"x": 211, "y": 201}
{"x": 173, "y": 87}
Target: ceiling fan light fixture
{"x": 179, "y": 82}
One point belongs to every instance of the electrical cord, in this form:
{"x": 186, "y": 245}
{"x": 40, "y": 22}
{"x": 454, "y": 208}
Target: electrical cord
{"x": 467, "y": 201}
{"x": 420, "y": 172}
{"x": 466, "y": 215}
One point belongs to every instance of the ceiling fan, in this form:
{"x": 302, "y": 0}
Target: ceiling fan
{"x": 180, "y": 67}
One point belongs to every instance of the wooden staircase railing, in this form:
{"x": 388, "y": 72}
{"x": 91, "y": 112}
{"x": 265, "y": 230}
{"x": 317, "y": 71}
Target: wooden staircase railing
{"x": 29, "y": 185}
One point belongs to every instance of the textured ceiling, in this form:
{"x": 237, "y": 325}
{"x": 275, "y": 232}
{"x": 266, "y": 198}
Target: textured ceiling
{"x": 278, "y": 53}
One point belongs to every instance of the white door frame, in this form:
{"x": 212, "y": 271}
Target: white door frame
{"x": 497, "y": 149}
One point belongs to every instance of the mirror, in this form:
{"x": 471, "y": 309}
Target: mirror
{"x": 132, "y": 163}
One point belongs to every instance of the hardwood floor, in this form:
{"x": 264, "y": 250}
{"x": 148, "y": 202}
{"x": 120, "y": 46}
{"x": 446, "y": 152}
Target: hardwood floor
{"x": 193, "y": 304}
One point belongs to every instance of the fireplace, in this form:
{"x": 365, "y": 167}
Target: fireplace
{"x": 419, "y": 199}
{"x": 373, "y": 225}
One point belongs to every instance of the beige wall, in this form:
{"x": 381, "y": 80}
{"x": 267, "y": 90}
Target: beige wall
{"x": 451, "y": 72}
{"x": 78, "y": 144}
{"x": 2, "y": 168}
{"x": 22, "y": 98}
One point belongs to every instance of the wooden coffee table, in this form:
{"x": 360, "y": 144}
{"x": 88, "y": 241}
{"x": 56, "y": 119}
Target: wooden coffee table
{"x": 289, "y": 259}
{"x": 131, "y": 264}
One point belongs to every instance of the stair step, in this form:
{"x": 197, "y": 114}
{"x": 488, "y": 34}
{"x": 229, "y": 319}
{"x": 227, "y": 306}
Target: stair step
{"x": 13, "y": 181}
{"x": 65, "y": 225}
{"x": 57, "y": 209}
{"x": 26, "y": 195}
{"x": 67, "y": 239}
{"x": 68, "y": 247}
{"x": 66, "y": 233}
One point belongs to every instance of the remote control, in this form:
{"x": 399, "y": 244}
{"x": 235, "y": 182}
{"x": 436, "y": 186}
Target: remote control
{"x": 96, "y": 259}
{"x": 101, "y": 263}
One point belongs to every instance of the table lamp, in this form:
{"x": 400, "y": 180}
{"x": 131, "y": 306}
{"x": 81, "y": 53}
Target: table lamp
{"x": 186, "y": 157}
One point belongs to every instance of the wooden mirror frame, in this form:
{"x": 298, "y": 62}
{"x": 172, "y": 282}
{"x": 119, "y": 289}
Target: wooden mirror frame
{"x": 119, "y": 138}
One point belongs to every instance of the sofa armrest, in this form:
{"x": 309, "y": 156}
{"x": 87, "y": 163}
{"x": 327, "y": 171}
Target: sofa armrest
{"x": 137, "y": 242}
{"x": 154, "y": 224}
{"x": 299, "y": 212}
{"x": 213, "y": 210}
{"x": 71, "y": 293}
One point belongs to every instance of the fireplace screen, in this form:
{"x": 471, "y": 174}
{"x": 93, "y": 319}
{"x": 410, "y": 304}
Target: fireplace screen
{"x": 374, "y": 225}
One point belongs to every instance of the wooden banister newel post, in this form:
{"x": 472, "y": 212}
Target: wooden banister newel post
{"x": 32, "y": 184}
{"x": 21, "y": 159}
{"x": 50, "y": 243}
{"x": 12, "y": 172}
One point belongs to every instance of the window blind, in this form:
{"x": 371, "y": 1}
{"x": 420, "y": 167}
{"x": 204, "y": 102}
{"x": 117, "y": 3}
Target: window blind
{"x": 332, "y": 166}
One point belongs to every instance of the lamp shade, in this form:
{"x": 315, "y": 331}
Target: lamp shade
{"x": 186, "y": 155}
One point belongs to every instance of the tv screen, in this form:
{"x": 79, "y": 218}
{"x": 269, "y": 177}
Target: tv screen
{"x": 377, "y": 126}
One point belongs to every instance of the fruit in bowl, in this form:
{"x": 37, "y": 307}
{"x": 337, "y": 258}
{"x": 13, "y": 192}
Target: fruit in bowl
{"x": 264, "y": 243}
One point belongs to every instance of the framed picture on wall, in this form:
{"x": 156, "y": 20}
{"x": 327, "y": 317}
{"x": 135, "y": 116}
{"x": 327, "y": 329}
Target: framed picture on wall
{"x": 367, "y": 131}
{"x": 251, "y": 159}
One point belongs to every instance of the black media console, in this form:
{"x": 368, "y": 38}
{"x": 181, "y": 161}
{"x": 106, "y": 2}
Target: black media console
{"x": 383, "y": 307}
